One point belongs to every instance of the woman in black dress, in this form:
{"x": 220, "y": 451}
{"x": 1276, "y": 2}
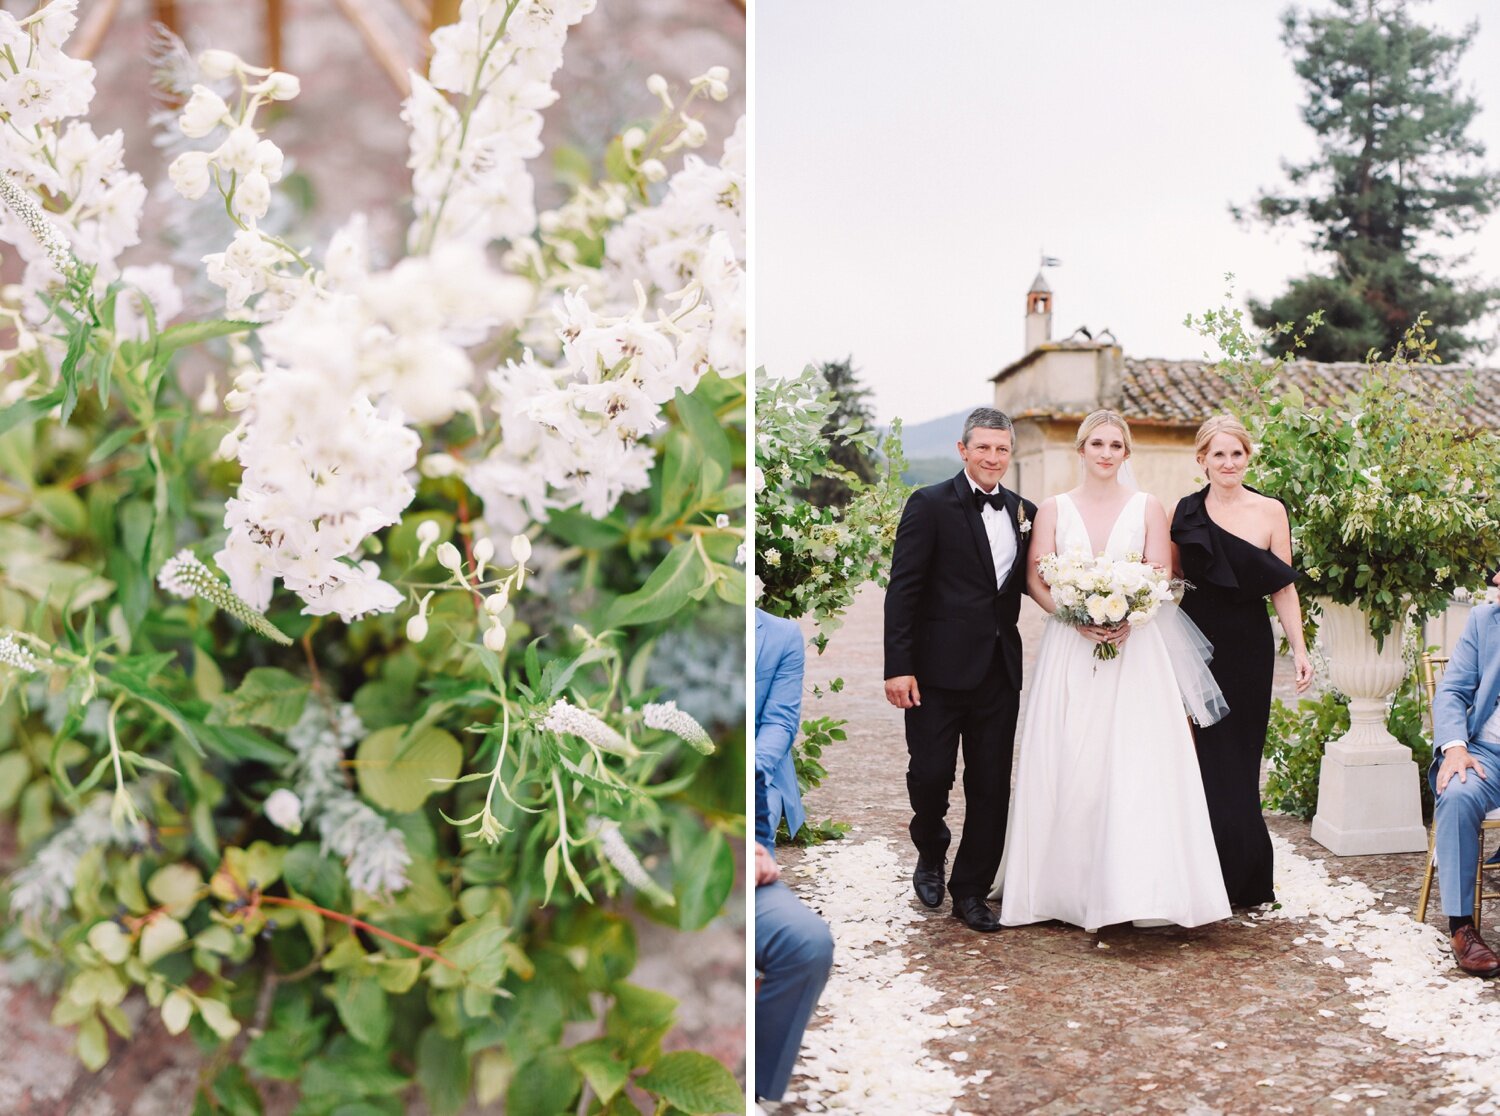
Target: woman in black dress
{"x": 1234, "y": 545}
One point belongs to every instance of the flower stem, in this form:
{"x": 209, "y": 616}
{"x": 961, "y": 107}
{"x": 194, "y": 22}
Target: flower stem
{"x": 359, "y": 924}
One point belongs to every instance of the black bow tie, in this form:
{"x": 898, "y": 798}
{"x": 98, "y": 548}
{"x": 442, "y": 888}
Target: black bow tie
{"x": 993, "y": 499}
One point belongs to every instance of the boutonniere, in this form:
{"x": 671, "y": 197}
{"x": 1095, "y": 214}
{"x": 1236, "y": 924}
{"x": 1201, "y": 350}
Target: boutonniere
{"x": 1023, "y": 525}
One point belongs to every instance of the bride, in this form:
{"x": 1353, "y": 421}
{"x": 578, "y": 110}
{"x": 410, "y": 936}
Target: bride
{"x": 1108, "y": 818}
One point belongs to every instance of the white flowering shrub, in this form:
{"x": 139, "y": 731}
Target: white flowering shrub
{"x": 324, "y": 714}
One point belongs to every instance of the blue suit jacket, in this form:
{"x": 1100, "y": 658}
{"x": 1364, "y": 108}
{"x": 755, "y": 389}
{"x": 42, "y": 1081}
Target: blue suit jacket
{"x": 1466, "y": 695}
{"x": 778, "y": 711}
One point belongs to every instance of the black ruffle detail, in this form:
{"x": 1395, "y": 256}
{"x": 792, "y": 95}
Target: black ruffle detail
{"x": 1213, "y": 555}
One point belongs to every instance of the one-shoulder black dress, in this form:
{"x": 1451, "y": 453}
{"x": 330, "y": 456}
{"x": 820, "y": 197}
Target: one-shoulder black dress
{"x": 1231, "y": 579}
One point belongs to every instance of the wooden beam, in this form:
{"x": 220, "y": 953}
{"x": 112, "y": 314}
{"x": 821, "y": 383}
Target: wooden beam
{"x": 380, "y": 42}
{"x": 91, "y": 34}
{"x": 440, "y": 13}
{"x": 165, "y": 12}
{"x": 274, "y": 25}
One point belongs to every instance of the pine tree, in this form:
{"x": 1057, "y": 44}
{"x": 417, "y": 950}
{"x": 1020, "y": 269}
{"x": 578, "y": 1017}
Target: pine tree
{"x": 1395, "y": 175}
{"x": 851, "y": 407}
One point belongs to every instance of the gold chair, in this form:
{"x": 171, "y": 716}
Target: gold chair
{"x": 1432, "y": 670}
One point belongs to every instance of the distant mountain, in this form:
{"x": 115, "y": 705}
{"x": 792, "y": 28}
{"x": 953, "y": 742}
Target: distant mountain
{"x": 935, "y": 437}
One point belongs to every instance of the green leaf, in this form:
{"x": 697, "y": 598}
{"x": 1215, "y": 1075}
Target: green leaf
{"x": 93, "y": 1044}
{"x": 396, "y": 775}
{"x": 29, "y": 410}
{"x": 443, "y": 1072}
{"x": 180, "y": 336}
{"x": 309, "y": 872}
{"x": 584, "y": 531}
{"x": 162, "y": 935}
{"x": 363, "y": 1006}
{"x": 295, "y": 1035}
{"x": 268, "y": 697}
{"x": 702, "y": 873}
{"x": 176, "y": 1012}
{"x": 706, "y": 429}
{"x": 665, "y": 592}
{"x": 544, "y": 1086}
{"x": 15, "y": 770}
{"x": 109, "y": 942}
{"x": 61, "y": 509}
{"x": 638, "y": 1020}
{"x": 695, "y": 1083}
{"x": 600, "y": 1064}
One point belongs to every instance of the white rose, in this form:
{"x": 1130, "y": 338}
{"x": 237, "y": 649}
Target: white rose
{"x": 1095, "y": 605}
{"x": 204, "y": 112}
{"x": 284, "y": 810}
{"x": 1114, "y": 607}
{"x": 189, "y": 174}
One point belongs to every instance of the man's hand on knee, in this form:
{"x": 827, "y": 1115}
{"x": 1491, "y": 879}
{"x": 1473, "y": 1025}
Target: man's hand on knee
{"x": 1457, "y": 761}
{"x": 902, "y": 691}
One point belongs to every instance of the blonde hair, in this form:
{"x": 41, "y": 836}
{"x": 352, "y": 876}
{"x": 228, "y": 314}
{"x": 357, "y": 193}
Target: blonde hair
{"x": 1221, "y": 424}
{"x": 1103, "y": 418}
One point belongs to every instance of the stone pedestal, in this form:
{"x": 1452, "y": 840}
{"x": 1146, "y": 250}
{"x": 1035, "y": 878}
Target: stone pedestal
{"x": 1368, "y": 796}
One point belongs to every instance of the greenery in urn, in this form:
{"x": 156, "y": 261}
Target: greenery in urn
{"x": 1394, "y": 501}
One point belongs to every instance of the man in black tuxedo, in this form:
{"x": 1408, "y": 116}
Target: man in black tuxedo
{"x": 953, "y": 660}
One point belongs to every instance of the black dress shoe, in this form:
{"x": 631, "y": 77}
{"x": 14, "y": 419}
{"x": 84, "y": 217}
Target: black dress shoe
{"x": 975, "y": 913}
{"x": 927, "y": 881}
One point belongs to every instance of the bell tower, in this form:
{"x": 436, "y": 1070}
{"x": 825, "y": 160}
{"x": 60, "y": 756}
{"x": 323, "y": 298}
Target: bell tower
{"x": 1038, "y": 313}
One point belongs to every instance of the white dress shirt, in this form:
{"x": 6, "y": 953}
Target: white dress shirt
{"x": 1001, "y": 534}
{"x": 1489, "y": 732}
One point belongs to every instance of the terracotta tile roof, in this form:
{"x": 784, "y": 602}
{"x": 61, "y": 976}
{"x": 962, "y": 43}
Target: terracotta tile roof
{"x": 1186, "y": 392}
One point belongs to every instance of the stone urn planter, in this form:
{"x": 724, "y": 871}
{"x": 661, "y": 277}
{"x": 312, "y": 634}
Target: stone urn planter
{"x": 1368, "y": 792}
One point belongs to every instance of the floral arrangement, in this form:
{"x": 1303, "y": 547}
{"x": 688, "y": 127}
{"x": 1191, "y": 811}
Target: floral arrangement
{"x": 329, "y": 721}
{"x": 1394, "y": 503}
{"x": 1102, "y": 592}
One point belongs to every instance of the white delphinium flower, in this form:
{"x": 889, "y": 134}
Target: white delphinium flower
{"x": 619, "y": 854}
{"x": 185, "y": 576}
{"x": 283, "y": 809}
{"x": 469, "y": 179}
{"x": 374, "y": 853}
{"x": 668, "y": 718}
{"x": 15, "y": 654}
{"x": 153, "y": 284}
{"x": 427, "y": 534}
{"x": 565, "y": 718}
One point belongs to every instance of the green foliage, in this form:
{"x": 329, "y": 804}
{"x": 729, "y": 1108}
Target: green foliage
{"x": 807, "y": 754}
{"x": 1395, "y": 169}
{"x": 811, "y": 560}
{"x": 1297, "y": 738}
{"x": 141, "y": 748}
{"x": 851, "y": 409}
{"x": 1394, "y": 505}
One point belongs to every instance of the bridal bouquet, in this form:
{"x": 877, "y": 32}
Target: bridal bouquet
{"x": 1105, "y": 592}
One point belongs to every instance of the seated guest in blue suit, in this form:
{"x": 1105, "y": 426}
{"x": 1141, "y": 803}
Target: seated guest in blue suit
{"x": 793, "y": 947}
{"x": 1466, "y": 777}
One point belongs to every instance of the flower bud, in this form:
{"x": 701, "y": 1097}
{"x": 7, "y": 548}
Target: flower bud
{"x": 494, "y": 637}
{"x": 656, "y": 85}
{"x": 204, "y": 112}
{"x": 495, "y": 603}
{"x": 416, "y": 628}
{"x": 219, "y": 64}
{"x": 718, "y": 91}
{"x": 439, "y": 465}
{"x": 484, "y": 550}
{"x": 654, "y": 170}
{"x": 721, "y": 521}
{"x": 427, "y": 533}
{"x": 449, "y": 557}
{"x": 694, "y": 134}
{"x": 280, "y": 86}
{"x": 633, "y": 139}
{"x": 520, "y": 549}
{"x": 717, "y": 73}
{"x": 284, "y": 810}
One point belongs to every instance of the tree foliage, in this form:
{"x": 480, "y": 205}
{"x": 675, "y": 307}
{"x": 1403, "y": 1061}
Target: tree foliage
{"x": 1396, "y": 174}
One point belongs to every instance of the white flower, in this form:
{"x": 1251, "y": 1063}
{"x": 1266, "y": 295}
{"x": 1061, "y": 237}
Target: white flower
{"x": 520, "y": 549}
{"x": 219, "y": 64}
{"x": 284, "y": 810}
{"x": 189, "y": 174}
{"x": 427, "y": 534}
{"x": 494, "y": 637}
{"x": 668, "y": 718}
{"x": 252, "y": 197}
{"x": 14, "y": 654}
{"x": 416, "y": 628}
{"x": 280, "y": 86}
{"x": 449, "y": 558}
{"x": 565, "y": 718}
{"x": 204, "y": 112}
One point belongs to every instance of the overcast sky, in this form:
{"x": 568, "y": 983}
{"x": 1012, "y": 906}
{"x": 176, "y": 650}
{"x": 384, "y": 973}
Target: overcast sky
{"x": 913, "y": 161}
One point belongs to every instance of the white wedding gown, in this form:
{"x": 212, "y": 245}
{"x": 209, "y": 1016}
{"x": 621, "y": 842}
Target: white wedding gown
{"x": 1108, "y": 821}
